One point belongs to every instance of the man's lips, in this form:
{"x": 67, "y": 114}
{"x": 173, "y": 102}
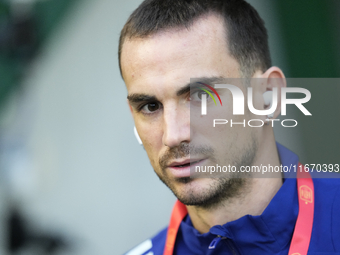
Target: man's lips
{"x": 180, "y": 169}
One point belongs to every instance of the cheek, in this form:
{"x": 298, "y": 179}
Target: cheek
{"x": 152, "y": 141}
{"x": 215, "y": 125}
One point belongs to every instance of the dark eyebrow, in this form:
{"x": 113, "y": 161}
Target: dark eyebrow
{"x": 136, "y": 98}
{"x": 184, "y": 90}
{"x": 195, "y": 83}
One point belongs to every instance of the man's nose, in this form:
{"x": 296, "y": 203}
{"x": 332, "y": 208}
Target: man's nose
{"x": 176, "y": 126}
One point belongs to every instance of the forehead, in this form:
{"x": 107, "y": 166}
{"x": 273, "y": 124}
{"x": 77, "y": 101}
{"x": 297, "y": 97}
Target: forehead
{"x": 171, "y": 58}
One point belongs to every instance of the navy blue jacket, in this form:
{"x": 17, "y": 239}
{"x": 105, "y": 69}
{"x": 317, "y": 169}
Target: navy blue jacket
{"x": 269, "y": 233}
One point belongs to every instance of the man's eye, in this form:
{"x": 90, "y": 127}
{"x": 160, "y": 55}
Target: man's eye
{"x": 150, "y": 108}
{"x": 197, "y": 95}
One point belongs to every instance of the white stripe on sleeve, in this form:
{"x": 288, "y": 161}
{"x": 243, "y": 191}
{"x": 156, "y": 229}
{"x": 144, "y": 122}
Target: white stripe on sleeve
{"x": 141, "y": 248}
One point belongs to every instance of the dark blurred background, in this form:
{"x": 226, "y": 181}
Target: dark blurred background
{"x": 67, "y": 181}
{"x": 24, "y": 27}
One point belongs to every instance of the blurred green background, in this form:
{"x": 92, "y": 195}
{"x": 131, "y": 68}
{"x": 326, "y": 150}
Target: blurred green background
{"x": 24, "y": 27}
{"x": 311, "y": 38}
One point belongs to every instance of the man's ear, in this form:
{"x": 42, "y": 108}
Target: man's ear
{"x": 274, "y": 73}
{"x": 274, "y": 78}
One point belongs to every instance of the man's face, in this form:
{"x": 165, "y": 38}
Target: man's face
{"x": 156, "y": 71}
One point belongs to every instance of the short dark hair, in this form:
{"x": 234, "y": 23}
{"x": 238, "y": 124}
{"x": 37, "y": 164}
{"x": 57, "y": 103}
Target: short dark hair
{"x": 246, "y": 34}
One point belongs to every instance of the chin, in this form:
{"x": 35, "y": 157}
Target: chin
{"x": 196, "y": 192}
{"x": 206, "y": 192}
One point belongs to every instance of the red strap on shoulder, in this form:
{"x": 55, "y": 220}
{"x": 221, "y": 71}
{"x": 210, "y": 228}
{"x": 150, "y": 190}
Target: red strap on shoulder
{"x": 304, "y": 223}
{"x": 178, "y": 213}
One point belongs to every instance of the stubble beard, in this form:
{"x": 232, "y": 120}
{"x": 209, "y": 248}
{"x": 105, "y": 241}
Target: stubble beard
{"x": 221, "y": 189}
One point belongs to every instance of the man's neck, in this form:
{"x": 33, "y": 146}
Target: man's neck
{"x": 252, "y": 200}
